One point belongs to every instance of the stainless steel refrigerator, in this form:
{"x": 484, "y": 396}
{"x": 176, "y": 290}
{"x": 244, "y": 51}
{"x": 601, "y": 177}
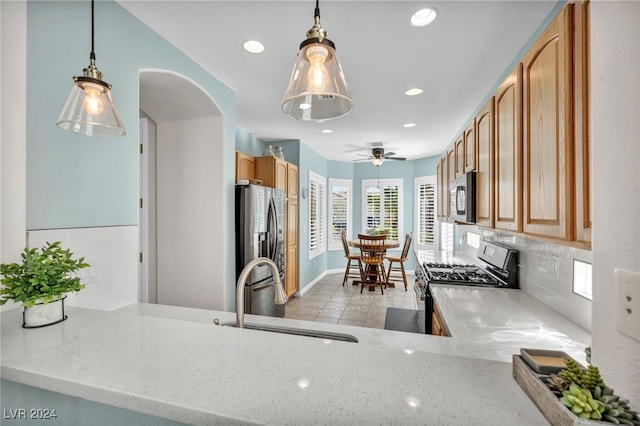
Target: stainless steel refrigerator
{"x": 260, "y": 221}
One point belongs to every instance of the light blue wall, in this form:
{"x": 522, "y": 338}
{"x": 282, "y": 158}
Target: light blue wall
{"x": 248, "y": 143}
{"x": 309, "y": 160}
{"x": 81, "y": 181}
{"x": 69, "y": 410}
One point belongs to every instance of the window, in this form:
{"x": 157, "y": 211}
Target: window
{"x": 425, "y": 212}
{"x": 317, "y": 214}
{"x": 582, "y": 279}
{"x": 447, "y": 232}
{"x": 382, "y": 206}
{"x": 339, "y": 210}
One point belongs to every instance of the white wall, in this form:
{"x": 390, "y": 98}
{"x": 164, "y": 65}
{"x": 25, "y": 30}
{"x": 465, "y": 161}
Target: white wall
{"x": 615, "y": 130}
{"x": 13, "y": 98}
{"x": 111, "y": 251}
{"x": 545, "y": 272}
{"x": 189, "y": 215}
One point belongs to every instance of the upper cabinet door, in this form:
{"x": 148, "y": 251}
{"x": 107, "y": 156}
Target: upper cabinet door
{"x": 508, "y": 153}
{"x": 470, "y": 147}
{"x": 581, "y": 112}
{"x": 484, "y": 170}
{"x": 460, "y": 152}
{"x": 548, "y": 131}
{"x": 292, "y": 181}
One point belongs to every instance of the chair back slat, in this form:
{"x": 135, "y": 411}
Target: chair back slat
{"x": 407, "y": 243}
{"x": 345, "y": 244}
{"x": 372, "y": 248}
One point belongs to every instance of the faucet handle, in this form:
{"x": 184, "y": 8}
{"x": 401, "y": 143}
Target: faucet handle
{"x": 216, "y": 321}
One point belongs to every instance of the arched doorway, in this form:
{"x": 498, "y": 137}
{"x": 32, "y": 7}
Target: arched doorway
{"x": 181, "y": 208}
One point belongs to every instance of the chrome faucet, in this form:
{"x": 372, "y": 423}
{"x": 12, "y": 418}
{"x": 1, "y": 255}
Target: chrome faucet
{"x": 280, "y": 296}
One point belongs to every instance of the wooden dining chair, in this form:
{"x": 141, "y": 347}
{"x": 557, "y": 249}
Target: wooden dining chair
{"x": 398, "y": 271}
{"x": 372, "y": 252}
{"x": 354, "y": 266}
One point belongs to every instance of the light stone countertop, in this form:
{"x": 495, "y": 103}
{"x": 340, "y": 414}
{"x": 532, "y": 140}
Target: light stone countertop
{"x": 173, "y": 362}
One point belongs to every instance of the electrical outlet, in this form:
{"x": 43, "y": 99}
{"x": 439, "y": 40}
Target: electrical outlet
{"x": 628, "y": 303}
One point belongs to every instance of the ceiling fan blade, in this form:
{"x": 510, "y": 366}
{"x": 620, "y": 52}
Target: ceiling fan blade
{"x": 365, "y": 155}
{"x": 389, "y": 154}
{"x": 361, "y": 159}
{"x": 395, "y": 158}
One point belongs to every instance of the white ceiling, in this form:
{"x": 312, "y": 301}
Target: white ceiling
{"x": 457, "y": 60}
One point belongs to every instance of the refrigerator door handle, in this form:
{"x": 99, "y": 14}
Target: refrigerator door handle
{"x": 272, "y": 220}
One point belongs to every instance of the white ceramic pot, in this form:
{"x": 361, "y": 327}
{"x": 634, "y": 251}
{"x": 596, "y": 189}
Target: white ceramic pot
{"x": 42, "y": 314}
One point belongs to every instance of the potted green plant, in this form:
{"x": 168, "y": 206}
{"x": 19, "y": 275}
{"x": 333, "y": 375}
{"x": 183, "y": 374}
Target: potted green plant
{"x": 40, "y": 283}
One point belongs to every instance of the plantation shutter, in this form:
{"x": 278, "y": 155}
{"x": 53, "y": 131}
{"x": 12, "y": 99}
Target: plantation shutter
{"x": 382, "y": 207}
{"x": 426, "y": 214}
{"x": 317, "y": 228}
{"x": 391, "y": 216}
{"x": 339, "y": 208}
{"x": 373, "y": 210}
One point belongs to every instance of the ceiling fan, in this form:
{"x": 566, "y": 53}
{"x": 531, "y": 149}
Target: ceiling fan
{"x": 378, "y": 156}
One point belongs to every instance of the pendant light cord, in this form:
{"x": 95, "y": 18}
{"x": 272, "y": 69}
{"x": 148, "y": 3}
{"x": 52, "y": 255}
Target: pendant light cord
{"x": 92, "y": 55}
{"x": 317, "y": 11}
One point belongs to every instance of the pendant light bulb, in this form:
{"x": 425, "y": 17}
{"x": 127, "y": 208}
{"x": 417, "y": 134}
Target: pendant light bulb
{"x": 92, "y": 103}
{"x": 89, "y": 108}
{"x": 318, "y": 74}
{"x": 317, "y": 89}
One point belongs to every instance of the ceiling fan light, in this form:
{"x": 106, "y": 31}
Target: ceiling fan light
{"x": 317, "y": 81}
{"x": 377, "y": 161}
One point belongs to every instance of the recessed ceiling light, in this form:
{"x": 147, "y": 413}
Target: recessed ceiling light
{"x": 409, "y": 125}
{"x": 327, "y": 131}
{"x": 423, "y": 17}
{"x": 413, "y": 91}
{"x": 253, "y": 46}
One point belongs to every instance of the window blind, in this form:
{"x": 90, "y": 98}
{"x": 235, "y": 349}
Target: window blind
{"x": 340, "y": 211}
{"x": 317, "y": 213}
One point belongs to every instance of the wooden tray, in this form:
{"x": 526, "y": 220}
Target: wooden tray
{"x": 549, "y": 405}
{"x": 544, "y": 361}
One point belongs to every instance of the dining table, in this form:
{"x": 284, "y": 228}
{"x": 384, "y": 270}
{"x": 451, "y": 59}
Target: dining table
{"x": 388, "y": 244}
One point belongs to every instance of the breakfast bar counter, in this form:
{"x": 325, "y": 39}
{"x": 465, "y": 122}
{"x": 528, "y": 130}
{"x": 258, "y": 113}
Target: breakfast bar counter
{"x": 173, "y": 363}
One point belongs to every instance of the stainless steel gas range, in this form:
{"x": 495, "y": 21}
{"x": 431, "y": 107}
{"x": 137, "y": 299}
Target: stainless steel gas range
{"x": 497, "y": 268}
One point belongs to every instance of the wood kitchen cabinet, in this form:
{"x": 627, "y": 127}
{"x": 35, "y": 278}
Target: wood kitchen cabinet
{"x": 459, "y": 159}
{"x": 451, "y": 165}
{"x": 508, "y": 153}
{"x": 548, "y": 131}
{"x": 277, "y": 173}
{"x": 245, "y": 166}
{"x": 440, "y": 189}
{"x": 438, "y": 327}
{"x": 485, "y": 163}
{"x": 470, "y": 147}
{"x": 582, "y": 225}
{"x": 291, "y": 257}
{"x": 272, "y": 171}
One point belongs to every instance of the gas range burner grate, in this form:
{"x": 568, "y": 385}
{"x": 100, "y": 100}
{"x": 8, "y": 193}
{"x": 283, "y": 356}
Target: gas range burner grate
{"x": 432, "y": 265}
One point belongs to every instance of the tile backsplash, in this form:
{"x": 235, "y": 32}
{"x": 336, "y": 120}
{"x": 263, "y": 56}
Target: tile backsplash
{"x": 545, "y": 270}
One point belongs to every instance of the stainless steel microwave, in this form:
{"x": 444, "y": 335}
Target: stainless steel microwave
{"x": 462, "y": 198}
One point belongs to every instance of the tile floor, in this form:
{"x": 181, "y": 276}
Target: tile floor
{"x": 328, "y": 301}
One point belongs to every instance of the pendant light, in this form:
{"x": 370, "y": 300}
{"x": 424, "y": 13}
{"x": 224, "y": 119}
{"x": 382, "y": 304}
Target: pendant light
{"x": 317, "y": 90}
{"x": 89, "y": 108}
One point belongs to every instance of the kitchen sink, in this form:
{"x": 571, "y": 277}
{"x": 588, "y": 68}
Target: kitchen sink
{"x": 297, "y": 331}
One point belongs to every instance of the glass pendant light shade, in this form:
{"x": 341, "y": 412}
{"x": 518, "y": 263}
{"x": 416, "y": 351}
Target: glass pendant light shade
{"x": 317, "y": 90}
{"x": 90, "y": 110}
